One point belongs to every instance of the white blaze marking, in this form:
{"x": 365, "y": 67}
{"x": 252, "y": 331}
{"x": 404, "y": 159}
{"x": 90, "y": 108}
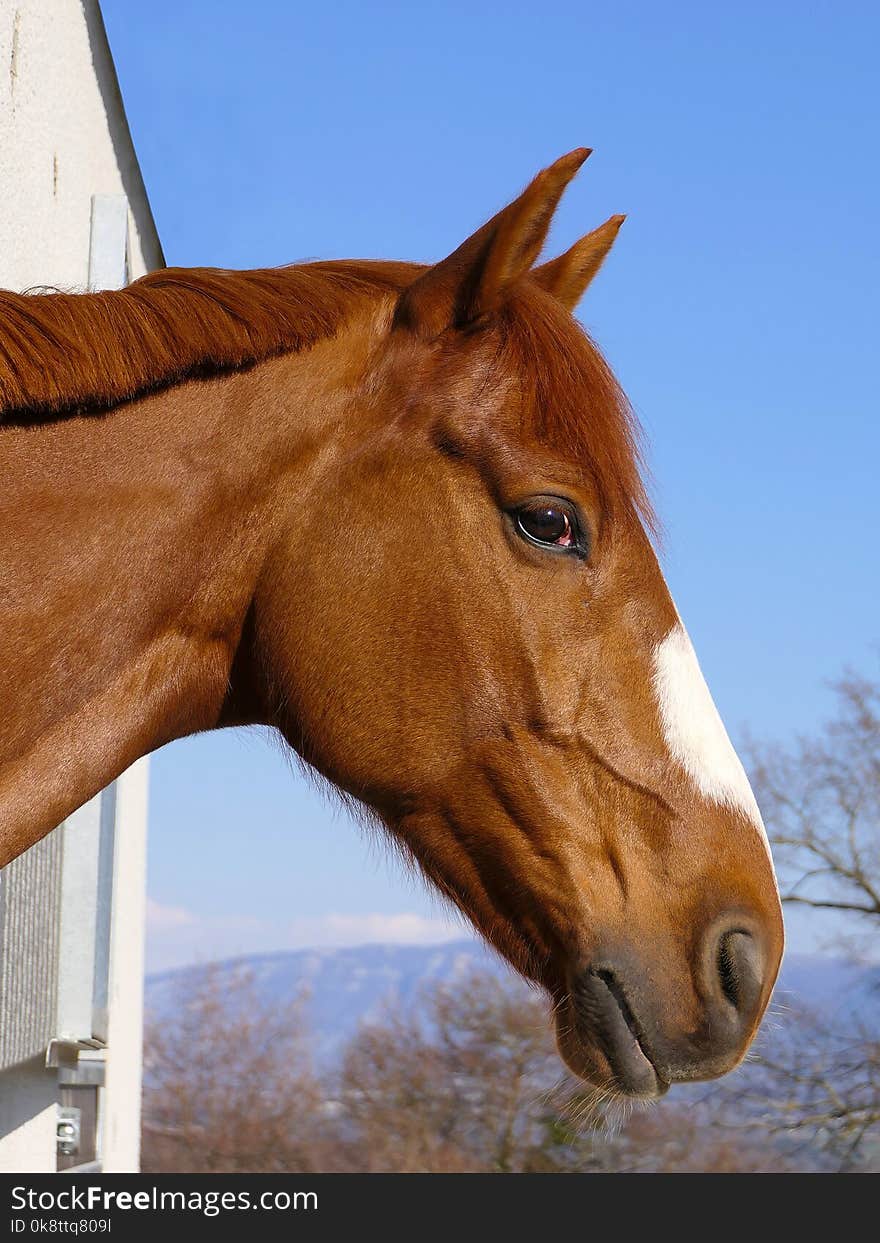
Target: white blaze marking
{"x": 694, "y": 732}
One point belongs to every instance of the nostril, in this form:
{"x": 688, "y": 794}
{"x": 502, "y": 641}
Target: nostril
{"x": 609, "y": 979}
{"x": 727, "y": 972}
{"x": 604, "y": 1018}
{"x": 739, "y": 967}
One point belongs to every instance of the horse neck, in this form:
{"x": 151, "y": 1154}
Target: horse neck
{"x": 132, "y": 544}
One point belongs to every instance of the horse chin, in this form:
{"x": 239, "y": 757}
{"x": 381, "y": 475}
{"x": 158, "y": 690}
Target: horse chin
{"x": 614, "y": 1074}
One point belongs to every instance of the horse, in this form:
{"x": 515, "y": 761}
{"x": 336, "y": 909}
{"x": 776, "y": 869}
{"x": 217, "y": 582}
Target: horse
{"x": 396, "y": 512}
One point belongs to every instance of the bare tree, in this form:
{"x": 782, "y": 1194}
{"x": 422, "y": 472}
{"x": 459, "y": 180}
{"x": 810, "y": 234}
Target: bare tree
{"x": 820, "y": 1086}
{"x": 820, "y": 1092}
{"x": 453, "y": 1084}
{"x": 821, "y": 801}
{"x": 227, "y": 1082}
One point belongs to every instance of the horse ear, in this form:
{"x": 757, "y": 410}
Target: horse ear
{"x": 568, "y": 276}
{"x": 471, "y": 282}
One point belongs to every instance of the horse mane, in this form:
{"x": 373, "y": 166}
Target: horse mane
{"x": 573, "y": 402}
{"x": 76, "y": 353}
{"x": 63, "y": 354}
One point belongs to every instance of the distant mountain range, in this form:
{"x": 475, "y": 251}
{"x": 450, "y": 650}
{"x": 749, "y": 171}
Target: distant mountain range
{"x": 347, "y": 987}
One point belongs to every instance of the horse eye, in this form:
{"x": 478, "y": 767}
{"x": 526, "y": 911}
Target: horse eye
{"x": 551, "y": 523}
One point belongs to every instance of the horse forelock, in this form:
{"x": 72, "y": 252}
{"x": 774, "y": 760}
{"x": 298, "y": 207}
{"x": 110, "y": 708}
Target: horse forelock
{"x": 572, "y": 402}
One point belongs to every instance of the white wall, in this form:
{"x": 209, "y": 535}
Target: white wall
{"x": 63, "y": 138}
{"x": 28, "y": 1117}
{"x": 121, "y": 1107}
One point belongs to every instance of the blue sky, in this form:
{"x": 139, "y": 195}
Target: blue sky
{"x": 738, "y": 308}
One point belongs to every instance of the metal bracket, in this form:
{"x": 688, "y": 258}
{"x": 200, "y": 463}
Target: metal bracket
{"x": 68, "y": 1130}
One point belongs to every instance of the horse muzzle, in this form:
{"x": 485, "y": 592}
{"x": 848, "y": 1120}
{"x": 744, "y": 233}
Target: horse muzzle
{"x": 638, "y": 1026}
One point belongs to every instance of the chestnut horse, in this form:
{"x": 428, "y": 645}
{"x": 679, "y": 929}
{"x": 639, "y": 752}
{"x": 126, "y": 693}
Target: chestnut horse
{"x": 394, "y": 511}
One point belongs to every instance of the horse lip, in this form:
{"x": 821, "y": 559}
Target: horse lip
{"x": 603, "y": 1012}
